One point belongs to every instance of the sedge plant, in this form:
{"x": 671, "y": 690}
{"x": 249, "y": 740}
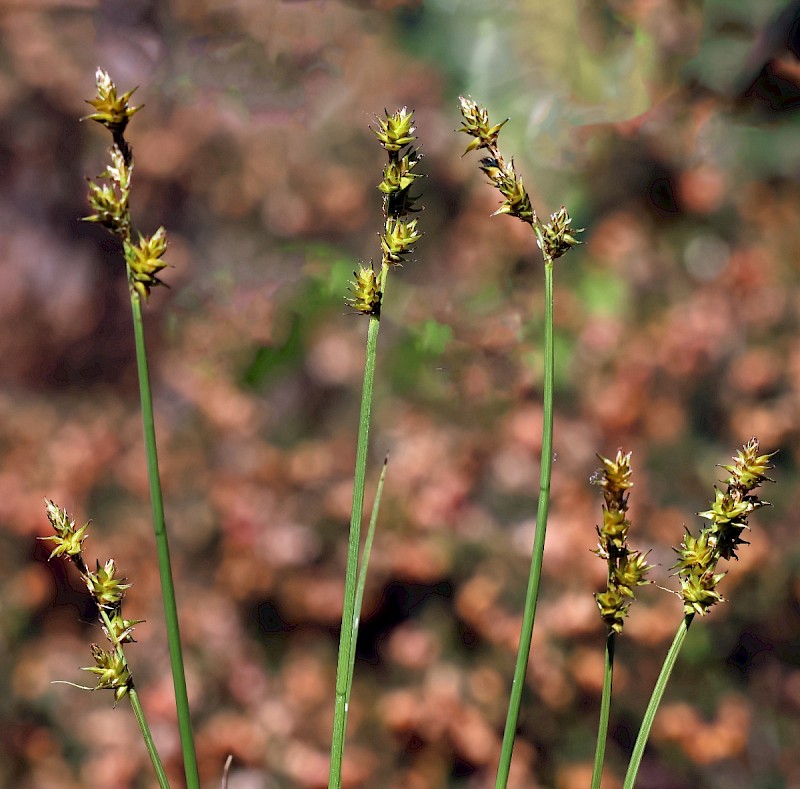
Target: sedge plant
{"x": 696, "y": 568}
{"x": 554, "y": 239}
{"x": 109, "y": 198}
{"x": 107, "y": 591}
{"x": 395, "y": 133}
{"x": 626, "y": 570}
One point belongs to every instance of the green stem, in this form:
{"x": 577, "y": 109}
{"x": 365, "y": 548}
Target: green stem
{"x": 534, "y": 577}
{"x": 605, "y": 707}
{"x": 362, "y": 572}
{"x": 148, "y": 738}
{"x": 138, "y": 711}
{"x": 655, "y": 700}
{"x": 162, "y": 548}
{"x": 346, "y": 641}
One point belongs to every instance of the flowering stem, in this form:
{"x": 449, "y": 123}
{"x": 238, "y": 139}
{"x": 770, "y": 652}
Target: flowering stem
{"x": 605, "y": 707}
{"x": 655, "y": 700}
{"x": 534, "y": 577}
{"x": 136, "y": 704}
{"x": 138, "y": 711}
{"x": 162, "y": 548}
{"x": 346, "y": 638}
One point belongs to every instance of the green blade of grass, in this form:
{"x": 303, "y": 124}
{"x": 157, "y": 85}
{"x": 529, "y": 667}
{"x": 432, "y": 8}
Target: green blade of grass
{"x": 362, "y": 571}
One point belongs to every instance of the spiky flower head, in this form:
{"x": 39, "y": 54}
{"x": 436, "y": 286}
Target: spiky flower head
{"x": 144, "y": 261}
{"x": 112, "y": 672}
{"x": 555, "y": 238}
{"x": 68, "y": 540}
{"x": 110, "y": 200}
{"x": 613, "y": 605}
{"x": 396, "y": 135}
{"x": 509, "y": 183}
{"x": 398, "y": 239}
{"x": 698, "y": 590}
{"x": 398, "y": 174}
{"x": 365, "y": 288}
{"x": 615, "y": 477}
{"x": 630, "y": 572}
{"x": 397, "y": 130}
{"x": 111, "y": 111}
{"x": 119, "y": 630}
{"x": 749, "y": 469}
{"x": 626, "y": 568}
{"x": 476, "y": 124}
{"x": 721, "y": 537}
{"x": 106, "y": 590}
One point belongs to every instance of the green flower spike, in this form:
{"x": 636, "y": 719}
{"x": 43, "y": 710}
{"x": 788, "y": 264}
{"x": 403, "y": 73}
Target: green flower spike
{"x": 111, "y": 111}
{"x": 396, "y": 131}
{"x": 509, "y": 184}
{"x": 68, "y": 539}
{"x": 626, "y": 569}
{"x": 106, "y": 590}
{"x": 698, "y": 591}
{"x": 109, "y": 201}
{"x": 397, "y": 240}
{"x": 749, "y": 468}
{"x": 398, "y": 175}
{"x": 144, "y": 262}
{"x": 111, "y": 671}
{"x": 720, "y": 539}
{"x": 366, "y": 297}
{"x": 695, "y": 551}
{"x": 555, "y": 238}
{"x": 476, "y": 124}
{"x": 121, "y": 630}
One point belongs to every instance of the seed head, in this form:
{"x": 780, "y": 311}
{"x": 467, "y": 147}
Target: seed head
{"x": 366, "y": 297}
{"x": 144, "y": 261}
{"x": 111, "y": 111}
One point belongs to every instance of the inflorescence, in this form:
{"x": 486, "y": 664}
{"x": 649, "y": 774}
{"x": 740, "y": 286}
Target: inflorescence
{"x": 626, "y": 568}
{"x": 556, "y": 237}
{"x": 107, "y": 591}
{"x": 699, "y": 556}
{"x": 109, "y": 196}
{"x": 396, "y": 134}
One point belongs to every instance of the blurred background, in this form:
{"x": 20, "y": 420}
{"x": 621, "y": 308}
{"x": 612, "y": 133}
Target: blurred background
{"x": 669, "y": 128}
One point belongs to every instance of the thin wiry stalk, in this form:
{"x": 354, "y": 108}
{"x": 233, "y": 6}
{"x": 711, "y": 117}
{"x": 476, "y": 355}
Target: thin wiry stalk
{"x": 162, "y": 549}
{"x": 138, "y": 712}
{"x": 396, "y": 135}
{"x": 605, "y": 708}
{"x": 346, "y": 639}
{"x": 362, "y": 573}
{"x": 532, "y": 594}
{"x": 655, "y": 700}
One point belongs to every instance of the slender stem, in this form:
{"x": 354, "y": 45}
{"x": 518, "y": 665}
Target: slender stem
{"x": 148, "y": 738}
{"x": 605, "y": 707}
{"x": 138, "y": 711}
{"x": 162, "y": 548}
{"x": 655, "y": 700}
{"x": 346, "y": 641}
{"x": 532, "y": 593}
{"x": 362, "y": 572}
